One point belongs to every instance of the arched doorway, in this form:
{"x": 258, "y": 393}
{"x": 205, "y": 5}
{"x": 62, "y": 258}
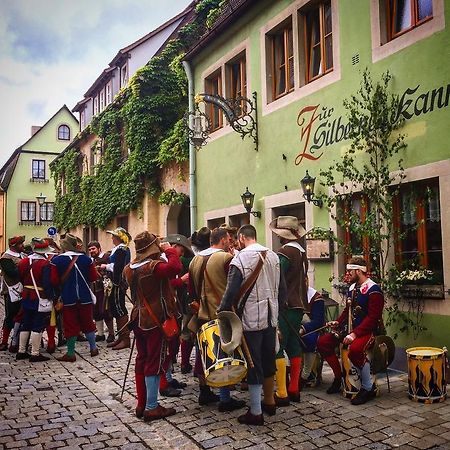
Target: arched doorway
{"x": 178, "y": 219}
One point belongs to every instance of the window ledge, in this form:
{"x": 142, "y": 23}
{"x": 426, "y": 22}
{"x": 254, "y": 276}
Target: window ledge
{"x": 423, "y": 291}
{"x": 30, "y": 223}
{"x": 39, "y": 180}
{"x": 424, "y": 30}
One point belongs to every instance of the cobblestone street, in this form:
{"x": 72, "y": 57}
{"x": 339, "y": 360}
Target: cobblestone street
{"x": 54, "y": 405}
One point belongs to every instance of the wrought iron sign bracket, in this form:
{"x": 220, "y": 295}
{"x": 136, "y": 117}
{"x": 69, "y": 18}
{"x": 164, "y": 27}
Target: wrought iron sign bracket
{"x": 240, "y": 112}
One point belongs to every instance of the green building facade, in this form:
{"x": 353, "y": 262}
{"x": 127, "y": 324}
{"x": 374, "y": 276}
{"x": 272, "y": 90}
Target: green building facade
{"x": 303, "y": 58}
{"x": 26, "y": 176}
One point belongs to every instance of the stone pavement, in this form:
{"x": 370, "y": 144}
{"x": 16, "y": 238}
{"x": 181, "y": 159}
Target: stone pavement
{"x": 55, "y": 405}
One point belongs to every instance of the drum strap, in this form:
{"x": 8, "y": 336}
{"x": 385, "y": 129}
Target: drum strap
{"x": 248, "y": 285}
{"x": 197, "y": 294}
{"x": 213, "y": 288}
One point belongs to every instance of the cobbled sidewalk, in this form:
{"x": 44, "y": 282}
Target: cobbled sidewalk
{"x": 77, "y": 406}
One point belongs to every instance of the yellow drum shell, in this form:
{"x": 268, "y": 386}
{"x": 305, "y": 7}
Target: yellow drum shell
{"x": 352, "y": 381}
{"x": 426, "y": 374}
{"x": 220, "y": 368}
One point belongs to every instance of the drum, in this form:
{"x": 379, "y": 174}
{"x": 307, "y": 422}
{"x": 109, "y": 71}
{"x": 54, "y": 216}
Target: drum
{"x": 426, "y": 374}
{"x": 220, "y": 368}
{"x": 352, "y": 380}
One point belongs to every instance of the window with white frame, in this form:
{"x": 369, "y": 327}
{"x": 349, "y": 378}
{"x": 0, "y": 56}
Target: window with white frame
{"x": 95, "y": 105}
{"x": 46, "y": 212}
{"x": 102, "y": 100}
{"x": 108, "y": 93}
{"x": 123, "y": 76}
{"x": 82, "y": 119}
{"x": 28, "y": 211}
{"x": 64, "y": 133}
{"x": 38, "y": 169}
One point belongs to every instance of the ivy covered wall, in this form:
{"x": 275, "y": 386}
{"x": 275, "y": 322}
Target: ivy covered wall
{"x": 139, "y": 133}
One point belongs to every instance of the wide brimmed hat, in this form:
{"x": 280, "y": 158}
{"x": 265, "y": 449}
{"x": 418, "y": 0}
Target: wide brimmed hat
{"x": 41, "y": 246}
{"x": 68, "y": 243}
{"x": 180, "y": 240}
{"x": 146, "y": 244}
{"x": 287, "y": 227}
{"x": 122, "y": 234}
{"x": 16, "y": 240}
{"x": 230, "y": 330}
{"x": 200, "y": 238}
{"x": 383, "y": 352}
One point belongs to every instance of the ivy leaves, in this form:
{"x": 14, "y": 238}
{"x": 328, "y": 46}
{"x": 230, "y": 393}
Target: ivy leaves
{"x": 141, "y": 131}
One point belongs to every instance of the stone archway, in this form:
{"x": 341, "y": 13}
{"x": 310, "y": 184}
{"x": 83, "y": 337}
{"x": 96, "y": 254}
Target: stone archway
{"x": 178, "y": 219}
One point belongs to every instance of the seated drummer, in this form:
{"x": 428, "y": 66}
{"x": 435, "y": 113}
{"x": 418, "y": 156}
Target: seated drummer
{"x": 313, "y": 319}
{"x": 208, "y": 272}
{"x": 367, "y": 302}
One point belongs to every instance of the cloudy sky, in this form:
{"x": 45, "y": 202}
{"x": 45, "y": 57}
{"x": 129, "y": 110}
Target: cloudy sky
{"x": 51, "y": 51}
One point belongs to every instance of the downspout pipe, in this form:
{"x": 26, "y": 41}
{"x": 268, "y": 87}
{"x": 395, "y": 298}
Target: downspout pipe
{"x": 192, "y": 155}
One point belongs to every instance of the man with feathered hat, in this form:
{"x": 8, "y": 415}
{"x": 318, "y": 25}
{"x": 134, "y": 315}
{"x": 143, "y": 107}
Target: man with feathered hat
{"x": 294, "y": 264}
{"x": 120, "y": 256}
{"x": 10, "y": 288}
{"x": 154, "y": 301}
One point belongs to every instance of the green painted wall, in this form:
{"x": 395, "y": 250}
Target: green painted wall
{"x": 265, "y": 172}
{"x": 227, "y": 165}
{"x": 45, "y": 141}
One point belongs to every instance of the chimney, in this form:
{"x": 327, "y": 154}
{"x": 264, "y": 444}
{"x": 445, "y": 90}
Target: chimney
{"x": 35, "y": 129}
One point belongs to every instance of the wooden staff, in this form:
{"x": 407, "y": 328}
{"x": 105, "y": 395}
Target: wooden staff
{"x": 128, "y": 367}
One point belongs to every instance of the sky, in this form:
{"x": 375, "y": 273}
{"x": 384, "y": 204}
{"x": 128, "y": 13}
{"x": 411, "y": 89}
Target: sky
{"x": 51, "y": 51}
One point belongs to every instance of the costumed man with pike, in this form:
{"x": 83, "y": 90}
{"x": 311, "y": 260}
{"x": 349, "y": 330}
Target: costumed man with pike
{"x": 294, "y": 265}
{"x": 153, "y": 302}
{"x": 365, "y": 309}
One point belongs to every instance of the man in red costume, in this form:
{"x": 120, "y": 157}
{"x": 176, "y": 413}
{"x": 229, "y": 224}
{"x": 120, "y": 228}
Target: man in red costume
{"x": 366, "y": 301}
{"x": 148, "y": 276}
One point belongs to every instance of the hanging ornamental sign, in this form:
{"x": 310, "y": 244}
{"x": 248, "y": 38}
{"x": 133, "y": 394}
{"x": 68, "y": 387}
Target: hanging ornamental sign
{"x": 319, "y": 128}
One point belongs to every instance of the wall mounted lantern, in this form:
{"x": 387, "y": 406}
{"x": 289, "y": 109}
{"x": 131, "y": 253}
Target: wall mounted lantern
{"x": 307, "y": 184}
{"x": 41, "y": 199}
{"x": 247, "y": 200}
{"x": 240, "y": 112}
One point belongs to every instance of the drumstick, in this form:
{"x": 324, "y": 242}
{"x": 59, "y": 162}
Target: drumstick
{"x": 314, "y": 331}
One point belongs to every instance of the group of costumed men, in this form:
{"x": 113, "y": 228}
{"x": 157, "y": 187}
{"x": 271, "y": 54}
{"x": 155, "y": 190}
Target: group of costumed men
{"x": 177, "y": 285}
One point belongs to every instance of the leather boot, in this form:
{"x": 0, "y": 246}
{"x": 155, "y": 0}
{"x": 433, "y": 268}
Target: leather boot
{"x": 5, "y": 336}
{"x": 124, "y": 335}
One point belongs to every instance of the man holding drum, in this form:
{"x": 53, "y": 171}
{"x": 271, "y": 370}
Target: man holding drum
{"x": 208, "y": 277}
{"x": 366, "y": 302}
{"x": 255, "y": 288}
